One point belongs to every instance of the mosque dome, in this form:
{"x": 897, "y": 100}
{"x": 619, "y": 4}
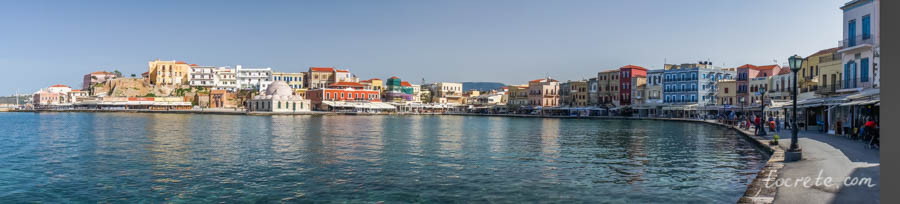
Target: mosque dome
{"x": 279, "y": 88}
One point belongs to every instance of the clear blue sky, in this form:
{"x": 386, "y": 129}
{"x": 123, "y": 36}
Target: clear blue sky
{"x": 50, "y": 42}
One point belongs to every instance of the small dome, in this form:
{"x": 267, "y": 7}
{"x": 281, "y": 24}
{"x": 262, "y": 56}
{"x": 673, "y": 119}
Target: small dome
{"x": 279, "y": 88}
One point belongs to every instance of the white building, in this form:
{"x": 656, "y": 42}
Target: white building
{"x": 860, "y": 45}
{"x": 225, "y": 79}
{"x": 279, "y": 97}
{"x": 254, "y": 78}
{"x": 202, "y": 76}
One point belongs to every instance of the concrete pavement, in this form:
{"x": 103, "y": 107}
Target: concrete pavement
{"x": 829, "y": 156}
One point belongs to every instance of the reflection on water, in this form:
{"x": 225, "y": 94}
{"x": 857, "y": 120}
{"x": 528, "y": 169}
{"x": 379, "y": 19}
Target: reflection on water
{"x": 118, "y": 157}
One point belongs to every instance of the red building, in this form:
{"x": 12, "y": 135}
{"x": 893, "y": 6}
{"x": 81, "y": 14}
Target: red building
{"x": 625, "y": 86}
{"x": 342, "y": 91}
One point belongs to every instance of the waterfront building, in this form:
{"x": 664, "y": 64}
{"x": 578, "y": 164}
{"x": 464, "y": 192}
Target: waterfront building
{"x": 50, "y": 96}
{"x": 860, "y": 45}
{"x": 578, "y": 91}
{"x": 168, "y": 73}
{"x": 625, "y": 84}
{"x": 397, "y": 90}
{"x": 517, "y": 96}
{"x": 222, "y": 99}
{"x": 373, "y": 84}
{"x": 321, "y": 77}
{"x": 654, "y": 87}
{"x": 279, "y": 97}
{"x": 202, "y": 76}
{"x": 135, "y": 103}
{"x": 76, "y": 95}
{"x": 496, "y": 98}
{"x": 341, "y": 91}
{"x": 638, "y": 86}
{"x": 779, "y": 86}
{"x": 543, "y": 92}
{"x": 608, "y": 84}
{"x": 565, "y": 99}
{"x": 446, "y": 92}
{"x": 756, "y": 85}
{"x": 726, "y": 93}
{"x": 225, "y": 79}
{"x": 593, "y": 92}
{"x": 295, "y": 80}
{"x": 831, "y": 72}
{"x": 692, "y": 83}
{"x": 810, "y": 70}
{"x": 94, "y": 78}
{"x": 341, "y": 75}
{"x": 747, "y": 72}
{"x": 255, "y": 79}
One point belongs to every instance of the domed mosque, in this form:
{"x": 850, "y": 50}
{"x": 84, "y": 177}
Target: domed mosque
{"x": 279, "y": 97}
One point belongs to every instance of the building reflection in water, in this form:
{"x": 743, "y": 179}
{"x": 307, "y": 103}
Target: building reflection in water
{"x": 550, "y": 131}
{"x": 170, "y": 149}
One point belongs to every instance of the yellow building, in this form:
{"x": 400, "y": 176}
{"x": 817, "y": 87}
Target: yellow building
{"x": 608, "y": 83}
{"x": 294, "y": 80}
{"x": 830, "y": 73}
{"x": 168, "y": 72}
{"x": 807, "y": 78}
{"x": 725, "y": 92}
{"x": 373, "y": 84}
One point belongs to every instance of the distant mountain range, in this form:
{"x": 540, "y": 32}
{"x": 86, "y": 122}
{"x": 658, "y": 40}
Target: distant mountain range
{"x": 481, "y": 86}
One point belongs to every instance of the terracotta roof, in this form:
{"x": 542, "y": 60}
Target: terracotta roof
{"x": 180, "y": 62}
{"x": 101, "y": 72}
{"x": 766, "y": 67}
{"x": 77, "y": 90}
{"x": 747, "y": 66}
{"x": 322, "y": 69}
{"x": 342, "y": 70}
{"x": 405, "y": 83}
{"x": 633, "y": 67}
{"x": 60, "y": 85}
{"x": 374, "y": 79}
{"x": 829, "y": 50}
{"x": 345, "y": 83}
{"x": 193, "y": 65}
{"x": 784, "y": 71}
{"x": 366, "y": 81}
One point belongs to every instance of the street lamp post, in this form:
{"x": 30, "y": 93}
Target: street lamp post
{"x": 762, "y": 110}
{"x": 794, "y": 153}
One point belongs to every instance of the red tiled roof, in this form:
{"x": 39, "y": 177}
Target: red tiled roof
{"x": 374, "y": 79}
{"x": 180, "y": 62}
{"x": 405, "y": 83}
{"x": 60, "y": 85}
{"x": 193, "y": 65}
{"x": 76, "y": 90}
{"x": 101, "y": 72}
{"x": 345, "y": 83}
{"x": 747, "y": 66}
{"x": 633, "y": 67}
{"x": 766, "y": 67}
{"x": 784, "y": 71}
{"x": 322, "y": 69}
{"x": 366, "y": 81}
{"x": 342, "y": 70}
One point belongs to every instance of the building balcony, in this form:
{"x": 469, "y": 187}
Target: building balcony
{"x": 855, "y": 42}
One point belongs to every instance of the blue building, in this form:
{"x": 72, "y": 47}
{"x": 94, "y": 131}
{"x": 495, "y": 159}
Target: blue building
{"x": 688, "y": 84}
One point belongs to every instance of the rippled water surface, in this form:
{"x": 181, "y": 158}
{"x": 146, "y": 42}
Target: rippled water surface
{"x": 128, "y": 157}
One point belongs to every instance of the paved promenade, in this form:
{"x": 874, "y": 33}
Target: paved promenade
{"x": 835, "y": 157}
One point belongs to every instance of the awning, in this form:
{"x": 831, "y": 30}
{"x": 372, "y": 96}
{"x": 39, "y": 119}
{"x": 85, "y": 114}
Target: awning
{"x": 861, "y": 102}
{"x": 363, "y": 105}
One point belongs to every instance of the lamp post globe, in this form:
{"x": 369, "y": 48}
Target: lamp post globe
{"x": 794, "y": 153}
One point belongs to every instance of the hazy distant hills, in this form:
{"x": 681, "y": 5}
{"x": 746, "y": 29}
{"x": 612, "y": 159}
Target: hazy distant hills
{"x": 481, "y": 86}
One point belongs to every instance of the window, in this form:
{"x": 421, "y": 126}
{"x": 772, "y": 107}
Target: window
{"x": 866, "y": 27}
{"x": 864, "y": 68}
{"x": 851, "y": 33}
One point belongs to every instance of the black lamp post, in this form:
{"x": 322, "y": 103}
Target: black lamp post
{"x": 762, "y": 110}
{"x": 794, "y": 153}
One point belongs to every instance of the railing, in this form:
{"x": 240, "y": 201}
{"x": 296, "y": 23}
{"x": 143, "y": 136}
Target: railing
{"x": 831, "y": 86}
{"x": 857, "y": 40}
{"x": 829, "y": 58}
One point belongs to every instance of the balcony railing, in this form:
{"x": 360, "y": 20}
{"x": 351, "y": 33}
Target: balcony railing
{"x": 831, "y": 86}
{"x": 829, "y": 58}
{"x": 857, "y": 40}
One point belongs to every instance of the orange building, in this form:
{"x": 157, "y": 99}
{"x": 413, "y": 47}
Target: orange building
{"x": 343, "y": 91}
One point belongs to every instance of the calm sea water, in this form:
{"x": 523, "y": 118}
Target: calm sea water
{"x": 128, "y": 157}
